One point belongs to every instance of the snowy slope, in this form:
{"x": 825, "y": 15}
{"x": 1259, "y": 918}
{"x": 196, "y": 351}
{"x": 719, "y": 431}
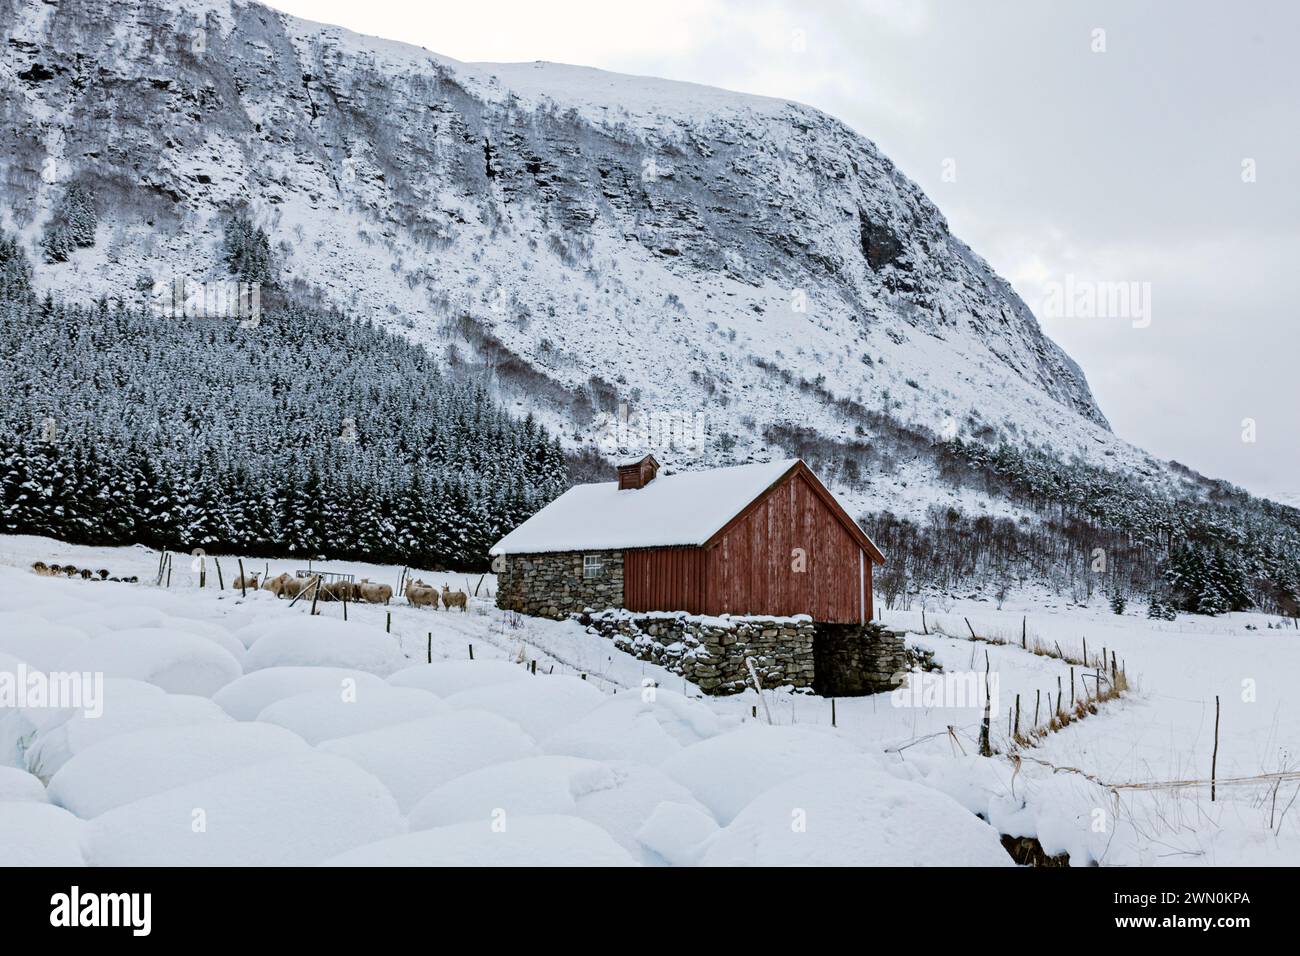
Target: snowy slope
{"x": 464, "y": 760}
{"x": 722, "y": 264}
{"x": 450, "y": 762}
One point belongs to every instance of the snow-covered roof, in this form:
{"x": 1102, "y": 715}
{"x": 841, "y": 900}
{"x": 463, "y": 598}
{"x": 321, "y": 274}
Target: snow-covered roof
{"x": 673, "y": 511}
{"x": 683, "y": 509}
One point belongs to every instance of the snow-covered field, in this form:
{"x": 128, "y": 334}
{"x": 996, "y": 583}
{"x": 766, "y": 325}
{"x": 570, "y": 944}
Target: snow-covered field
{"x": 232, "y": 730}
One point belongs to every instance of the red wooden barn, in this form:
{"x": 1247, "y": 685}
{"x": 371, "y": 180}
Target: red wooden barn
{"x": 760, "y": 539}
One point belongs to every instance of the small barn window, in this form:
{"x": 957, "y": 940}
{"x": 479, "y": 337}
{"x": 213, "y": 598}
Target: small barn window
{"x": 591, "y": 566}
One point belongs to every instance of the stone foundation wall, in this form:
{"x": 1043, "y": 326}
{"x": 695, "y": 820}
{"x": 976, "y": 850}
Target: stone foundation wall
{"x": 831, "y": 660}
{"x": 552, "y": 585}
{"x": 711, "y": 651}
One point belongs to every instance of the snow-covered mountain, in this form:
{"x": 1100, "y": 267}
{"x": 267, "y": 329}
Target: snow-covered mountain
{"x": 744, "y": 269}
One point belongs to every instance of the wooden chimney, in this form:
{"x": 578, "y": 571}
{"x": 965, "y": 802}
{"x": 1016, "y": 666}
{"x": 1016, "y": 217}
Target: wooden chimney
{"x": 637, "y": 473}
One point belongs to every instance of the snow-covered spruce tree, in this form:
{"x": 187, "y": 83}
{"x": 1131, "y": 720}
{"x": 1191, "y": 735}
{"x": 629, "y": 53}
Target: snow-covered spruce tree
{"x": 246, "y": 250}
{"x": 15, "y": 268}
{"x": 1208, "y": 580}
{"x": 71, "y": 225}
{"x": 1118, "y": 602}
{"x": 1158, "y": 609}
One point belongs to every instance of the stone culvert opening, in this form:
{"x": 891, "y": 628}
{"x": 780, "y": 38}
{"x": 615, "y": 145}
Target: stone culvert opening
{"x": 853, "y": 660}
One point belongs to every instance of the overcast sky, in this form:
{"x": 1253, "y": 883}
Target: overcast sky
{"x": 1162, "y": 152}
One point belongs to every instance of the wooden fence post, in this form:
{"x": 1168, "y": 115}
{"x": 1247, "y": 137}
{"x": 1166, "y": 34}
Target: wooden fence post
{"x": 221, "y": 583}
{"x": 986, "y": 748}
{"x": 243, "y": 584}
{"x": 1214, "y": 760}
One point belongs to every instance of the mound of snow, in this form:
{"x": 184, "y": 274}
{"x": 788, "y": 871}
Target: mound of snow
{"x": 855, "y": 816}
{"x": 42, "y": 645}
{"x": 129, "y": 767}
{"x": 173, "y": 626}
{"x": 294, "y": 811}
{"x": 38, "y": 834}
{"x": 324, "y": 714}
{"x": 728, "y": 771}
{"x": 61, "y": 606}
{"x": 647, "y": 725}
{"x": 677, "y": 832}
{"x": 120, "y": 618}
{"x": 525, "y": 841}
{"x": 529, "y": 787}
{"x": 541, "y": 705}
{"x": 312, "y": 641}
{"x": 21, "y": 727}
{"x": 618, "y": 797}
{"x": 16, "y": 785}
{"x": 418, "y": 756}
{"x": 248, "y": 696}
{"x": 179, "y": 663}
{"x": 451, "y": 677}
{"x": 52, "y": 748}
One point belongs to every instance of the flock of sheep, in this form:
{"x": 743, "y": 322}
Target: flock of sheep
{"x": 72, "y": 571}
{"x": 420, "y": 594}
{"x": 417, "y": 592}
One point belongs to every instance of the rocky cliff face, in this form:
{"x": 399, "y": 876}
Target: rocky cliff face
{"x": 731, "y": 268}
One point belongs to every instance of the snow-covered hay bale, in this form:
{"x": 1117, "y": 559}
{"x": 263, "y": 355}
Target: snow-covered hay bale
{"x": 541, "y": 705}
{"x": 324, "y": 714}
{"x": 38, "y": 834}
{"x": 170, "y": 627}
{"x": 178, "y": 663}
{"x": 306, "y": 641}
{"x": 50, "y": 749}
{"x": 526, "y": 841}
{"x": 728, "y": 771}
{"x": 22, "y": 727}
{"x": 416, "y": 757}
{"x": 529, "y": 787}
{"x": 451, "y": 677}
{"x": 116, "y": 618}
{"x": 648, "y": 726}
{"x": 42, "y": 645}
{"x": 293, "y": 811}
{"x": 128, "y": 767}
{"x": 618, "y": 797}
{"x": 677, "y": 833}
{"x": 248, "y": 696}
{"x": 19, "y": 785}
{"x": 853, "y": 816}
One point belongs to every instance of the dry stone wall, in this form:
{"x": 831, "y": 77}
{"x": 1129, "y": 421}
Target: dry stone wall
{"x": 711, "y": 651}
{"x": 552, "y": 585}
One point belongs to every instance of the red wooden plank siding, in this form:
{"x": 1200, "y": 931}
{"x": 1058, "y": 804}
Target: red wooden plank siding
{"x": 750, "y": 570}
{"x": 664, "y": 579}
